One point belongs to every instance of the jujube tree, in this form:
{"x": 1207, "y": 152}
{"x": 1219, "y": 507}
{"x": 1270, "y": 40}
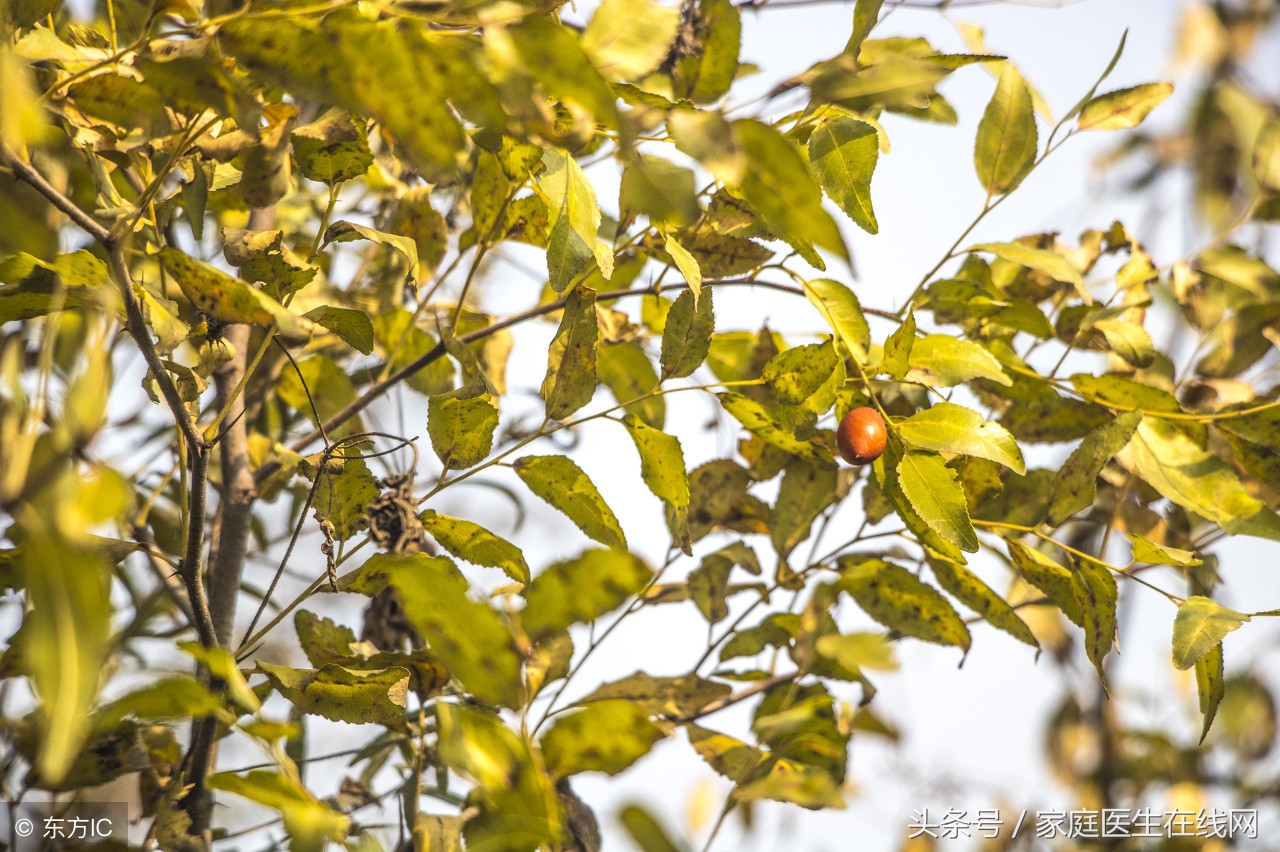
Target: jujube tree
{"x": 281, "y": 217}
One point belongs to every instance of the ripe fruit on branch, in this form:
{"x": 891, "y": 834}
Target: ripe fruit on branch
{"x": 861, "y": 436}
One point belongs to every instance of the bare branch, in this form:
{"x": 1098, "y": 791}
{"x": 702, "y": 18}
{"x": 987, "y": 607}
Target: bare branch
{"x": 141, "y": 334}
{"x": 26, "y": 172}
{"x": 729, "y": 700}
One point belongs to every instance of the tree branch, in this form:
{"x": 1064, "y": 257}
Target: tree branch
{"x": 381, "y": 387}
{"x": 193, "y": 560}
{"x": 141, "y": 334}
{"x": 137, "y": 324}
{"x": 235, "y": 507}
{"x": 230, "y": 548}
{"x": 729, "y": 700}
{"x": 26, "y": 172}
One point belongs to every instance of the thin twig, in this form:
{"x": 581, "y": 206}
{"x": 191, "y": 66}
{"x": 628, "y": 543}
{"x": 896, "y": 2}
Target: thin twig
{"x": 729, "y": 700}
{"x": 379, "y": 388}
{"x": 26, "y": 172}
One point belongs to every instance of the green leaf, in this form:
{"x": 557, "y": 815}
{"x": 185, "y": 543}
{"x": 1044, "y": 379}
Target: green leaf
{"x": 662, "y": 469}
{"x": 889, "y": 485}
{"x": 728, "y": 756}
{"x": 572, "y": 215}
{"x": 660, "y": 190}
{"x": 722, "y": 256}
{"x": 553, "y": 55}
{"x": 1199, "y": 626}
{"x": 65, "y": 646}
{"x": 675, "y": 697}
{"x": 797, "y": 783}
{"x": 344, "y": 695}
{"x": 687, "y": 336}
{"x": 229, "y": 299}
{"x": 707, "y": 137}
{"x": 718, "y": 497}
{"x": 309, "y": 824}
{"x": 383, "y": 64}
{"x": 1122, "y": 108}
{"x": 1194, "y": 479}
{"x": 942, "y": 361}
{"x": 564, "y": 486}
{"x": 469, "y": 637}
{"x": 1128, "y": 340}
{"x": 893, "y": 596}
{"x": 432, "y": 832}
{"x": 342, "y": 231}
{"x": 76, "y": 269}
{"x": 897, "y": 349}
{"x": 179, "y": 697}
{"x": 578, "y": 591}
{"x": 323, "y": 640}
{"x": 758, "y": 420}
{"x": 843, "y": 154}
{"x": 1005, "y": 149}
{"x": 404, "y": 343}
{"x": 122, "y": 101}
{"x": 1049, "y": 262}
{"x": 1095, "y": 590}
{"x": 796, "y": 374}
{"x": 342, "y": 497}
{"x": 1120, "y": 392}
{"x": 415, "y": 219}
{"x": 1210, "y": 686}
{"x": 332, "y": 149}
{"x": 571, "y": 360}
{"x": 686, "y": 263}
{"x": 892, "y": 81}
{"x": 1115, "y": 57}
{"x": 354, "y": 327}
{"x": 806, "y": 490}
{"x": 969, "y": 589}
{"x": 518, "y": 803}
{"x": 779, "y": 186}
{"x": 627, "y": 39}
{"x": 645, "y": 831}
{"x": 866, "y": 13}
{"x": 1239, "y": 341}
{"x": 708, "y": 587}
{"x": 289, "y": 53}
{"x": 223, "y": 666}
{"x": 627, "y": 372}
{"x": 937, "y": 497}
{"x": 1049, "y": 577}
{"x": 1266, "y": 154}
{"x": 1147, "y": 552}
{"x": 319, "y": 381}
{"x": 475, "y": 544}
{"x": 548, "y": 661}
{"x": 461, "y": 425}
{"x": 1075, "y": 483}
{"x": 776, "y": 631}
{"x": 950, "y": 428}
{"x": 857, "y": 651}
{"x": 719, "y": 32}
{"x": 264, "y": 256}
{"x": 607, "y": 736}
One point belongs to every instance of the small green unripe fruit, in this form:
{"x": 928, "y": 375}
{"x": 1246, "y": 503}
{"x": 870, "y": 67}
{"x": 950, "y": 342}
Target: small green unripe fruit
{"x": 861, "y": 436}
